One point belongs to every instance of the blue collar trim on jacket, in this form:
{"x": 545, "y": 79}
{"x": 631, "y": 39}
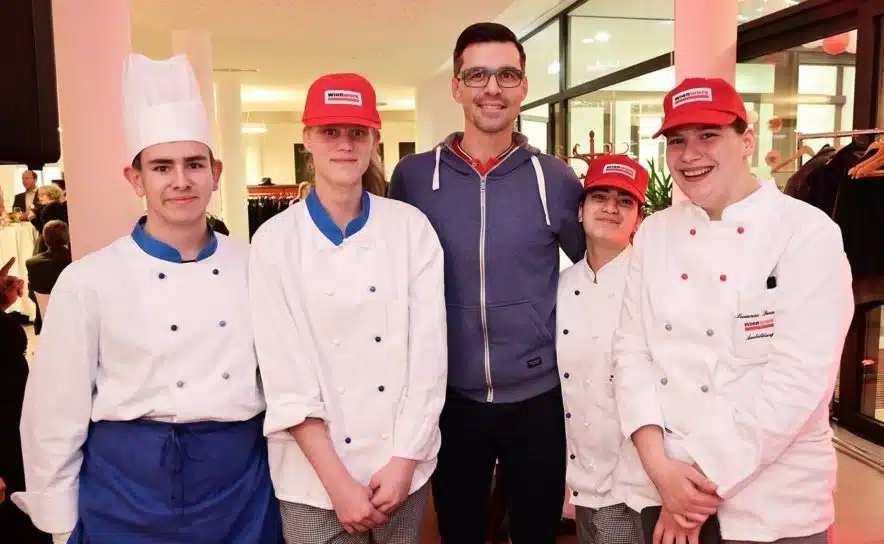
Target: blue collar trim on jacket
{"x": 163, "y": 251}
{"x": 327, "y": 226}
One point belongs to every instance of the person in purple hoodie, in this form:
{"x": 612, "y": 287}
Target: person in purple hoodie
{"x": 502, "y": 209}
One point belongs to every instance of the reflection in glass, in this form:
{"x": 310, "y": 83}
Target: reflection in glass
{"x": 872, "y": 395}
{"x": 804, "y": 89}
{"x": 542, "y": 63}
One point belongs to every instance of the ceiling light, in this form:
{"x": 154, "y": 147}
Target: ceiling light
{"x": 553, "y": 68}
{"x": 254, "y": 128}
{"x": 588, "y": 40}
{"x": 602, "y": 36}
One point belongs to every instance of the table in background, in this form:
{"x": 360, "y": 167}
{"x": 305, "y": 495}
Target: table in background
{"x": 18, "y": 240}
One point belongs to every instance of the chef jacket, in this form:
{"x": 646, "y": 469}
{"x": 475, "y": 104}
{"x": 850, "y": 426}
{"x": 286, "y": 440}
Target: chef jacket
{"x": 133, "y": 333}
{"x": 603, "y": 467}
{"x": 730, "y": 341}
{"x": 351, "y": 330}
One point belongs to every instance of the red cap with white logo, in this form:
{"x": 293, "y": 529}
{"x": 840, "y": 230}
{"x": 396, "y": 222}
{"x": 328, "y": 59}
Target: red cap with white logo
{"x": 617, "y": 172}
{"x": 702, "y": 101}
{"x": 341, "y": 99}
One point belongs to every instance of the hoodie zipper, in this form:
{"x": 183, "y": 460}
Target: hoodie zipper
{"x": 483, "y": 182}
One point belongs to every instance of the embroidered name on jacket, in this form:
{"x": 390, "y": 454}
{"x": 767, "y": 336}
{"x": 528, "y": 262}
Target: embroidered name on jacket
{"x": 758, "y": 325}
{"x": 701, "y": 94}
{"x": 351, "y": 98}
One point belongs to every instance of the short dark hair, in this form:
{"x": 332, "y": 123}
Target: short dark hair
{"x": 55, "y": 234}
{"x": 60, "y": 183}
{"x": 485, "y": 33}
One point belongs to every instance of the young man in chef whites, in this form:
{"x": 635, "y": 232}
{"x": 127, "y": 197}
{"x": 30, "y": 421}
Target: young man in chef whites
{"x": 724, "y": 417}
{"x": 142, "y": 419}
{"x": 605, "y": 478}
{"x": 348, "y": 301}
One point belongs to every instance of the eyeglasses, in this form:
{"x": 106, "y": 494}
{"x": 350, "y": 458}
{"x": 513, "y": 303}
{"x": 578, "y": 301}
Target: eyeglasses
{"x": 479, "y": 77}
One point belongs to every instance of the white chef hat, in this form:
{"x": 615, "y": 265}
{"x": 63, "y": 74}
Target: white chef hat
{"x": 162, "y": 103}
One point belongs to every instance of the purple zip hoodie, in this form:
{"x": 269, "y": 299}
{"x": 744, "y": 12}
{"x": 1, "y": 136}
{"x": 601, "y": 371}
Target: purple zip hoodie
{"x": 501, "y": 235}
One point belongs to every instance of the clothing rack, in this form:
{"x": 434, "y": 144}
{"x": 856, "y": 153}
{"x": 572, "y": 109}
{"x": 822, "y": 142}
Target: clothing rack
{"x": 274, "y": 191}
{"x": 802, "y": 136}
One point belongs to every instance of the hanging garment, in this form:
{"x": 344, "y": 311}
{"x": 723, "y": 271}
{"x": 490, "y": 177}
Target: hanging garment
{"x": 859, "y": 211}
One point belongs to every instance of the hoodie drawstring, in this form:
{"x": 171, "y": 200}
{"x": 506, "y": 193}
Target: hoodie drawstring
{"x": 436, "y": 171}
{"x": 541, "y": 186}
{"x": 541, "y": 181}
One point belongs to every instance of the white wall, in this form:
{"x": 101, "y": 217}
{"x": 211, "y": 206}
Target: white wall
{"x": 438, "y": 115}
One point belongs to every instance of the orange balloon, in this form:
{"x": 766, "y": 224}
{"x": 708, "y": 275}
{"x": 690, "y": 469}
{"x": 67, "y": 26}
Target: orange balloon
{"x": 835, "y": 45}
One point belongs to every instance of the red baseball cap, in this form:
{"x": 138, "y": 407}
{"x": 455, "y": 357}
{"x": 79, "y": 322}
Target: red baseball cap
{"x": 702, "y": 101}
{"x": 617, "y": 172}
{"x": 341, "y": 99}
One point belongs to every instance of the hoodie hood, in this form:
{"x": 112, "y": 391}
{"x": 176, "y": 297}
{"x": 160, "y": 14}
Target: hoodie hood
{"x": 522, "y": 153}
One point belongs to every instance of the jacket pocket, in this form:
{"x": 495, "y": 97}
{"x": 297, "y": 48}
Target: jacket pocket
{"x": 516, "y": 323}
{"x": 521, "y": 346}
{"x": 466, "y": 348}
{"x": 754, "y": 327}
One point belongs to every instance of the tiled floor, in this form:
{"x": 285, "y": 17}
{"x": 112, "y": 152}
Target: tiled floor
{"x": 859, "y": 496}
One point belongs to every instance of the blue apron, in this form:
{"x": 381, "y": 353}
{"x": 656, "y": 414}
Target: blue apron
{"x": 147, "y": 482}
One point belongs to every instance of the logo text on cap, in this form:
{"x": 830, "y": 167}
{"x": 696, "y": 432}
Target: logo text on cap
{"x": 700, "y": 94}
{"x": 621, "y": 169}
{"x": 350, "y": 98}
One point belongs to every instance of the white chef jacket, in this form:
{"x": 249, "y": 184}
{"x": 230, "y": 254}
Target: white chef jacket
{"x": 353, "y": 334}
{"x": 131, "y": 336}
{"x": 739, "y": 372}
{"x": 603, "y": 468}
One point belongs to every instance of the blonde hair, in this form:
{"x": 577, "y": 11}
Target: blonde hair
{"x": 52, "y": 191}
{"x": 374, "y": 180}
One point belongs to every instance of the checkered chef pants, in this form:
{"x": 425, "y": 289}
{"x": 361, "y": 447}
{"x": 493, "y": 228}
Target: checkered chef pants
{"x": 615, "y": 524}
{"x": 302, "y": 524}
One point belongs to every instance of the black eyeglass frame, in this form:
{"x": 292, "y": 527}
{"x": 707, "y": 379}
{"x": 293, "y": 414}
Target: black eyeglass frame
{"x": 487, "y": 73}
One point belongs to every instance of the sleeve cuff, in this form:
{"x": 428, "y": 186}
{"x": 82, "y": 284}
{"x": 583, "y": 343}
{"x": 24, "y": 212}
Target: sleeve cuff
{"x": 722, "y": 467}
{"x": 418, "y": 442}
{"x": 631, "y": 424}
{"x": 284, "y": 416}
{"x": 52, "y": 513}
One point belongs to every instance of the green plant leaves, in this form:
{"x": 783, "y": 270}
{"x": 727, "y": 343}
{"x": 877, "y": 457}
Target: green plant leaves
{"x": 659, "y": 194}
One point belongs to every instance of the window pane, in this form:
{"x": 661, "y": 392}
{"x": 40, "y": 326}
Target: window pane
{"x": 815, "y": 79}
{"x": 534, "y": 124}
{"x": 872, "y": 393}
{"x": 750, "y": 10}
{"x": 609, "y": 35}
{"x": 805, "y": 89}
{"x": 623, "y": 118}
{"x": 542, "y": 64}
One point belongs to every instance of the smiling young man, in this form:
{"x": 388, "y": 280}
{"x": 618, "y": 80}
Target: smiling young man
{"x": 142, "y": 418}
{"x": 737, "y": 304}
{"x": 502, "y": 210}
{"x": 605, "y": 478}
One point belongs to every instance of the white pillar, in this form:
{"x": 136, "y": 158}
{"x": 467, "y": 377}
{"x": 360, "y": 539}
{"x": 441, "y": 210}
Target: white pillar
{"x": 233, "y": 180}
{"x": 254, "y": 158}
{"x": 196, "y": 44}
{"x": 437, "y": 114}
{"x": 705, "y": 44}
{"x": 705, "y": 39}
{"x": 92, "y": 40}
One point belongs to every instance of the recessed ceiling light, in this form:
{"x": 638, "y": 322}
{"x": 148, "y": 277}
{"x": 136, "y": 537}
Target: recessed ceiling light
{"x": 602, "y": 36}
{"x": 553, "y": 68}
{"x": 588, "y": 40}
